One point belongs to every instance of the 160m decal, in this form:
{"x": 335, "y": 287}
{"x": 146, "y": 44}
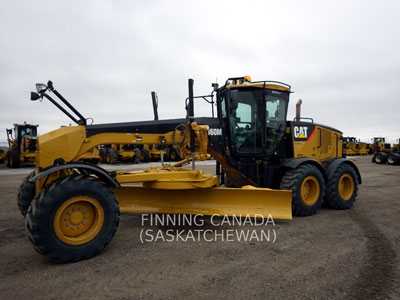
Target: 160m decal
{"x": 215, "y": 131}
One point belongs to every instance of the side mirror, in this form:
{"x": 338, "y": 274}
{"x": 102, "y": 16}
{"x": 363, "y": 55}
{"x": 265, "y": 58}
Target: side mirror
{"x": 234, "y": 99}
{"x": 214, "y": 86}
{"x": 34, "y": 96}
{"x": 41, "y": 87}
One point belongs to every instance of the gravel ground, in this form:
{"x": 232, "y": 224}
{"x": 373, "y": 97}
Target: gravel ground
{"x": 332, "y": 255}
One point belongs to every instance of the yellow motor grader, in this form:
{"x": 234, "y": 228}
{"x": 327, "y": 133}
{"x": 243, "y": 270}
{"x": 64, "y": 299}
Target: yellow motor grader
{"x": 276, "y": 167}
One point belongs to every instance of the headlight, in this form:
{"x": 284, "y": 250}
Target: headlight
{"x": 41, "y": 88}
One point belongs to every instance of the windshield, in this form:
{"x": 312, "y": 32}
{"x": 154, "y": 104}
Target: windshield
{"x": 350, "y": 140}
{"x": 378, "y": 140}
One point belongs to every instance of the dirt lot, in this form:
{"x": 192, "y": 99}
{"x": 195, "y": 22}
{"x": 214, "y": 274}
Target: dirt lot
{"x": 331, "y": 255}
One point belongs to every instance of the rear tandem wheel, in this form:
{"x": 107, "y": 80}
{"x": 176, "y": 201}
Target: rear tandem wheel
{"x": 307, "y": 185}
{"x": 341, "y": 188}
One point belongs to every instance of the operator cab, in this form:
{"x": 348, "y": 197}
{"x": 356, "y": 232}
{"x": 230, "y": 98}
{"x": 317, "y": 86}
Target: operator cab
{"x": 25, "y": 137}
{"x": 253, "y": 115}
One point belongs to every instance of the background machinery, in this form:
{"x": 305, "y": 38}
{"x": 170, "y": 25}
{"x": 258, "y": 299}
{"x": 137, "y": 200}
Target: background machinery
{"x": 161, "y": 151}
{"x": 22, "y": 145}
{"x": 112, "y": 153}
{"x": 379, "y": 145}
{"x": 349, "y": 146}
{"x": 352, "y": 146}
{"x": 93, "y": 156}
{"x": 396, "y": 147}
{"x": 275, "y": 166}
{"x": 384, "y": 153}
{"x": 2, "y": 155}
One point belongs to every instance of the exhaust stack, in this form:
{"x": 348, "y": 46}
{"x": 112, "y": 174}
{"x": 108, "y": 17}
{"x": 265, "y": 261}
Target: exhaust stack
{"x": 298, "y": 109}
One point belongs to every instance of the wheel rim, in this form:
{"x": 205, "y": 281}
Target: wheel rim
{"x": 173, "y": 155}
{"x": 78, "y": 220}
{"x": 390, "y": 160}
{"x": 141, "y": 156}
{"x": 309, "y": 190}
{"x": 108, "y": 157}
{"x": 378, "y": 158}
{"x": 346, "y": 186}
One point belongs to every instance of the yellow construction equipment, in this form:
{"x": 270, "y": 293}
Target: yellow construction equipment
{"x": 352, "y": 146}
{"x": 396, "y": 147}
{"x": 275, "y": 166}
{"x": 161, "y": 151}
{"x": 2, "y": 156}
{"x": 112, "y": 153}
{"x": 22, "y": 145}
{"x": 349, "y": 146}
{"x": 92, "y": 156}
{"x": 379, "y": 145}
{"x": 383, "y": 153}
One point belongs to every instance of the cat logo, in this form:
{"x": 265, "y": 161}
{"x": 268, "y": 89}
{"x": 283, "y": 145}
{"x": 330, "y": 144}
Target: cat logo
{"x": 215, "y": 131}
{"x": 300, "y": 132}
{"x": 303, "y": 133}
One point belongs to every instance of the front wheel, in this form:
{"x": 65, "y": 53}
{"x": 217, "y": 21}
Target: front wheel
{"x": 74, "y": 219}
{"x": 307, "y": 185}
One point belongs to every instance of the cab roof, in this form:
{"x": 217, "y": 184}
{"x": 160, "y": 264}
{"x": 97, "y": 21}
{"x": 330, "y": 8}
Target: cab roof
{"x": 245, "y": 81}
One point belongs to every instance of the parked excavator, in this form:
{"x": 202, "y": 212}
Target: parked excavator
{"x": 276, "y": 167}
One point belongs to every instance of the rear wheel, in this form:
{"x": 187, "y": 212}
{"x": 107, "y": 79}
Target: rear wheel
{"x": 144, "y": 155}
{"x": 136, "y": 157}
{"x": 74, "y": 219}
{"x": 102, "y": 153}
{"x": 111, "y": 156}
{"x": 167, "y": 156}
{"x": 307, "y": 185}
{"x": 392, "y": 159}
{"x": 342, "y": 187}
{"x": 380, "y": 158}
{"x": 174, "y": 154}
{"x": 26, "y": 194}
{"x": 12, "y": 158}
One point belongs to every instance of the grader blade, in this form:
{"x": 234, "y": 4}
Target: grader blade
{"x": 246, "y": 201}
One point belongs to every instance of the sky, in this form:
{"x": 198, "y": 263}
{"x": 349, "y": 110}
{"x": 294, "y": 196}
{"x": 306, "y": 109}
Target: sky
{"x": 342, "y": 58}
